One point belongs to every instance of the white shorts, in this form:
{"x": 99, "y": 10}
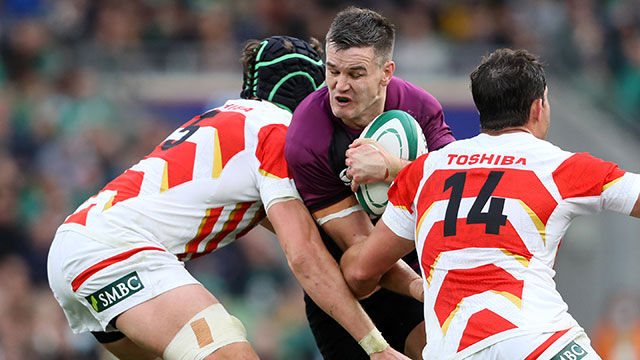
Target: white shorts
{"x": 571, "y": 344}
{"x": 95, "y": 282}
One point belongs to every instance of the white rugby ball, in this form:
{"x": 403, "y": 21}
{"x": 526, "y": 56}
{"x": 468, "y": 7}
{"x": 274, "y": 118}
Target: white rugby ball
{"x": 400, "y": 135}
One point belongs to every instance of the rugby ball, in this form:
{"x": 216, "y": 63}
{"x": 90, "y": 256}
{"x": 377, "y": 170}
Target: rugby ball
{"x": 400, "y": 135}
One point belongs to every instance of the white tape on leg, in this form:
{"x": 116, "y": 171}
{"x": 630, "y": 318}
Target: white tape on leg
{"x": 209, "y": 330}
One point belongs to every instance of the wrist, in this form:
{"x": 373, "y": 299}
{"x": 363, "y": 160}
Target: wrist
{"x": 391, "y": 170}
{"x": 394, "y": 166}
{"x": 373, "y": 342}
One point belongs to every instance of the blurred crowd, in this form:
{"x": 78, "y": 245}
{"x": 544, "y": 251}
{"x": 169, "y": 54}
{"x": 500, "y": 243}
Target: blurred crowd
{"x": 67, "y": 127}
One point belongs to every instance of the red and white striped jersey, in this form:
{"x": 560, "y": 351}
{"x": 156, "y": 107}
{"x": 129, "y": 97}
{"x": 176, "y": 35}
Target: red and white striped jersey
{"x": 488, "y": 215}
{"x": 201, "y": 188}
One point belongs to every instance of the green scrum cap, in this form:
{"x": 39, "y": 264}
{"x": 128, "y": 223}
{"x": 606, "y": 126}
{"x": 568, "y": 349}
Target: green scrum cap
{"x": 281, "y": 75}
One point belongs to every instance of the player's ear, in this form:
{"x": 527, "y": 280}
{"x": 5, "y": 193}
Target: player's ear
{"x": 388, "y": 69}
{"x": 535, "y": 111}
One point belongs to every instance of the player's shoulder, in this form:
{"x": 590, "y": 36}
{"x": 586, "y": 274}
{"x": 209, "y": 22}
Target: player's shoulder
{"x": 403, "y": 87}
{"x": 312, "y": 121}
{"x": 256, "y": 113}
{"x": 584, "y": 160}
{"x": 546, "y": 152}
{"x": 314, "y": 104}
{"x": 404, "y": 95}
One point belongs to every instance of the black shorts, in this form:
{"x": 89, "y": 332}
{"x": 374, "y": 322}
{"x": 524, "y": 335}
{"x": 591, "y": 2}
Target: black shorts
{"x": 394, "y": 315}
{"x": 107, "y": 337}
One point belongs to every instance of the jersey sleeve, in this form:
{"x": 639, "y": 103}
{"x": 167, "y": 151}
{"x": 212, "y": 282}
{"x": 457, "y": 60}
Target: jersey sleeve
{"x": 425, "y": 108}
{"x": 315, "y": 180}
{"x": 622, "y": 195}
{"x": 400, "y": 214}
{"x": 594, "y": 184}
{"x": 310, "y": 145}
{"x": 274, "y": 180}
{"x": 435, "y": 129}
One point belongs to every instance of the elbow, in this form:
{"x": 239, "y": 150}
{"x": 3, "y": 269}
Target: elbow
{"x": 357, "y": 275}
{"x": 359, "y": 281}
{"x": 299, "y": 264}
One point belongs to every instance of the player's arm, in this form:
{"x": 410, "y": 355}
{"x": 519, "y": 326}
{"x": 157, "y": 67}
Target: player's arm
{"x": 636, "y": 208}
{"x": 348, "y": 228}
{"x": 365, "y": 264}
{"x": 369, "y": 163}
{"x": 319, "y": 275}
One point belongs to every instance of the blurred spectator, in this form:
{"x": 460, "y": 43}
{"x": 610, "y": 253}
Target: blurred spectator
{"x": 218, "y": 48}
{"x": 627, "y": 78}
{"x": 11, "y": 229}
{"x": 417, "y": 37}
{"x": 616, "y": 336}
{"x": 15, "y": 312}
{"x": 32, "y": 325}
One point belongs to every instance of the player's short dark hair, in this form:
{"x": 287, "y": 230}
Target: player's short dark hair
{"x": 357, "y": 27}
{"x": 505, "y": 85}
{"x": 281, "y": 69}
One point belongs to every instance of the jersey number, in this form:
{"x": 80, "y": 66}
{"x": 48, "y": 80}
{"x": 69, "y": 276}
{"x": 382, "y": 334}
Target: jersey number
{"x": 493, "y": 218}
{"x": 189, "y": 130}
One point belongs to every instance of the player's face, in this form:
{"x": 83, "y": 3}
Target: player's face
{"x": 357, "y": 84}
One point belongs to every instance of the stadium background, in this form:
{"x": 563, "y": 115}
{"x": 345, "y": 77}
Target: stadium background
{"x": 87, "y": 87}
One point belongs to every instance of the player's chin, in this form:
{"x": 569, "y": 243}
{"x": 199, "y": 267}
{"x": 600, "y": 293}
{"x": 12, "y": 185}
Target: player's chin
{"x": 341, "y": 111}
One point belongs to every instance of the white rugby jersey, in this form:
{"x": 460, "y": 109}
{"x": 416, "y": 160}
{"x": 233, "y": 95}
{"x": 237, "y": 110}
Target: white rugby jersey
{"x": 488, "y": 215}
{"x": 201, "y": 188}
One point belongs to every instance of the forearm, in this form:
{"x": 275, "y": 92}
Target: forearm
{"x": 377, "y": 261}
{"x": 323, "y": 282}
{"x": 402, "y": 279}
{"x": 316, "y": 270}
{"x": 336, "y": 299}
{"x": 361, "y": 283}
{"x": 636, "y": 209}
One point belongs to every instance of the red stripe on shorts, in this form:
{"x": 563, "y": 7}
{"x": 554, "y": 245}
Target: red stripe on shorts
{"x": 80, "y": 279}
{"x": 545, "y": 345}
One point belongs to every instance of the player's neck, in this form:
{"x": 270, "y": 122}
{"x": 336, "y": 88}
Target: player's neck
{"x": 508, "y": 130}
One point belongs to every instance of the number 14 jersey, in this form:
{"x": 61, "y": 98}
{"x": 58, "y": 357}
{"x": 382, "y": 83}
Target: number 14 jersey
{"x": 488, "y": 215}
